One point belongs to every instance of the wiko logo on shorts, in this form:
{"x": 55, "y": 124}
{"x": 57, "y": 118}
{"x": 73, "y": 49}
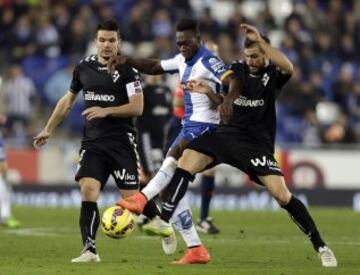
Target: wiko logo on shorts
{"x": 92, "y": 96}
{"x": 123, "y": 175}
{"x": 265, "y": 162}
{"x": 256, "y": 162}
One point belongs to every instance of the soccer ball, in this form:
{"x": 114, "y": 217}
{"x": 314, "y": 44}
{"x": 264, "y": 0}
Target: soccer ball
{"x": 117, "y": 222}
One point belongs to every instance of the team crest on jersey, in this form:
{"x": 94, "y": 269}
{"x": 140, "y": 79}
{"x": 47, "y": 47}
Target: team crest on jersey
{"x": 265, "y": 79}
{"x": 115, "y": 76}
{"x": 216, "y": 64}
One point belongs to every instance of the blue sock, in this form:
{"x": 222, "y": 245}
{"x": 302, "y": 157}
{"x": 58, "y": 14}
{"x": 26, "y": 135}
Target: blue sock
{"x": 207, "y": 190}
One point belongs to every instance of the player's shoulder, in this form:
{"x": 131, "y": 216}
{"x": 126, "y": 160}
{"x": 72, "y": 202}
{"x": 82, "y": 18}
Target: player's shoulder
{"x": 211, "y": 59}
{"x": 178, "y": 58}
{"x": 213, "y": 63}
{"x": 127, "y": 73}
{"x": 86, "y": 62}
{"x": 88, "y": 59}
{"x": 238, "y": 66}
{"x": 127, "y": 69}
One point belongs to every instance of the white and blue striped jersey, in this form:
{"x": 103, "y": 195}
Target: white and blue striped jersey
{"x": 204, "y": 65}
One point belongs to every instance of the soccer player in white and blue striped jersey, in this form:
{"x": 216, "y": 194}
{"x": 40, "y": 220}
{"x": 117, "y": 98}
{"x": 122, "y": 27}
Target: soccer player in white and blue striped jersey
{"x": 194, "y": 62}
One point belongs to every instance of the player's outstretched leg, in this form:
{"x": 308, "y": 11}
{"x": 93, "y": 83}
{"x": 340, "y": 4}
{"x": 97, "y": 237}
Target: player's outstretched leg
{"x": 303, "y": 220}
{"x": 137, "y": 202}
{"x": 300, "y": 215}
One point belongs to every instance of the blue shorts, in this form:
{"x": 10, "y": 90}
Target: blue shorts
{"x": 2, "y": 150}
{"x": 192, "y": 132}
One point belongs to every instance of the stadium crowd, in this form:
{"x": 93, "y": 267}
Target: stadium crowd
{"x": 40, "y": 41}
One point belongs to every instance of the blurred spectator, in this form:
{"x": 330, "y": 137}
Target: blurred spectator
{"x": 137, "y": 28}
{"x": 22, "y": 39}
{"x": 209, "y": 26}
{"x": 56, "y": 86}
{"x": 339, "y": 132}
{"x": 47, "y": 38}
{"x": 319, "y": 36}
{"x": 161, "y": 25}
{"x": 19, "y": 94}
{"x": 342, "y": 87}
{"x": 76, "y": 40}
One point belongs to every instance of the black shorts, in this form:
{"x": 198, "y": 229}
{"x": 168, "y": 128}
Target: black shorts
{"x": 248, "y": 157}
{"x": 150, "y": 151}
{"x": 119, "y": 158}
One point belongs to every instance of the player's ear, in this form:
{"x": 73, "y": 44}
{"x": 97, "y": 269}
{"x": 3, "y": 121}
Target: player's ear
{"x": 119, "y": 42}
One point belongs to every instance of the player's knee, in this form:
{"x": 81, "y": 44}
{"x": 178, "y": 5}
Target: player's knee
{"x": 183, "y": 221}
{"x": 89, "y": 191}
{"x": 282, "y": 196}
{"x": 193, "y": 161}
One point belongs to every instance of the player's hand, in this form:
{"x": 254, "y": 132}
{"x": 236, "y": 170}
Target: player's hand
{"x": 198, "y": 86}
{"x": 94, "y": 112}
{"x": 226, "y": 111}
{"x": 41, "y": 139}
{"x": 114, "y": 61}
{"x": 252, "y": 32}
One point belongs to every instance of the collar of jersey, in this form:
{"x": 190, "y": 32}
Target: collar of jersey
{"x": 197, "y": 56}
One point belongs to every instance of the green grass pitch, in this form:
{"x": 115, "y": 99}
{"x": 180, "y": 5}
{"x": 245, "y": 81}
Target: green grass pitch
{"x": 251, "y": 242}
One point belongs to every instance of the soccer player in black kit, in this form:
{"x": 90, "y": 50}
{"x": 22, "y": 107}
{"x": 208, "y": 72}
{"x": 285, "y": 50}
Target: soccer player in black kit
{"x": 108, "y": 145}
{"x": 246, "y": 138}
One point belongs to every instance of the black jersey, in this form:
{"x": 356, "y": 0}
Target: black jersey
{"x": 104, "y": 90}
{"x": 157, "y": 109}
{"x": 254, "y": 115}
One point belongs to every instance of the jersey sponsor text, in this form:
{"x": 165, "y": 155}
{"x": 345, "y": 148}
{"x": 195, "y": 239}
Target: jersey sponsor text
{"x": 92, "y": 96}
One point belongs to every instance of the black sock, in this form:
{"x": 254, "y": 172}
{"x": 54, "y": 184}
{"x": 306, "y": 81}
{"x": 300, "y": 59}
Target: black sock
{"x": 207, "y": 190}
{"x": 151, "y": 209}
{"x": 89, "y": 223}
{"x": 174, "y": 192}
{"x": 152, "y": 206}
{"x": 303, "y": 220}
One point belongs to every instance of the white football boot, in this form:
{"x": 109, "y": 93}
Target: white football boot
{"x": 327, "y": 257}
{"x": 87, "y": 257}
{"x": 169, "y": 244}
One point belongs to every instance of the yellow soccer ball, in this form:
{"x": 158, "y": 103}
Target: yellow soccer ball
{"x": 117, "y": 222}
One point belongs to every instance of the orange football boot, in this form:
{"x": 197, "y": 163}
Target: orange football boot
{"x": 135, "y": 203}
{"x": 195, "y": 255}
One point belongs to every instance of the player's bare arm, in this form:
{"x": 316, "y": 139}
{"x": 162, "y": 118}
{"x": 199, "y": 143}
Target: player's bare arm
{"x": 132, "y": 109}
{"x": 272, "y": 53}
{"x": 200, "y": 86}
{"x": 235, "y": 86}
{"x": 143, "y": 65}
{"x": 60, "y": 112}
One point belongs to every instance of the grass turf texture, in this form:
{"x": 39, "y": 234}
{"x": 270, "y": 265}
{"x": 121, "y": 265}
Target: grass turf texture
{"x": 250, "y": 242}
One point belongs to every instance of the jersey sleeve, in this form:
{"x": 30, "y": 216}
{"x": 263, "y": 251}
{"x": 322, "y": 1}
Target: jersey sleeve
{"x": 171, "y": 65}
{"x": 132, "y": 82}
{"x": 216, "y": 67}
{"x": 281, "y": 78}
{"x": 76, "y": 86}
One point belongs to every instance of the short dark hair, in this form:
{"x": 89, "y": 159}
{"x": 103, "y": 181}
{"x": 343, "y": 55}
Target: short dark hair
{"x": 109, "y": 25}
{"x": 187, "y": 24}
{"x": 249, "y": 43}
